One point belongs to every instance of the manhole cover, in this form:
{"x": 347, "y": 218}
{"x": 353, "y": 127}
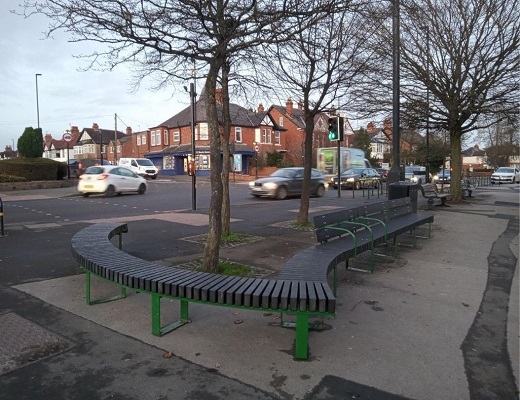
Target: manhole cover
{"x": 23, "y": 342}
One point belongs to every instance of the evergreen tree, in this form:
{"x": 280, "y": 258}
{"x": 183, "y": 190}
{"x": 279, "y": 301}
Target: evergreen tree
{"x": 30, "y": 144}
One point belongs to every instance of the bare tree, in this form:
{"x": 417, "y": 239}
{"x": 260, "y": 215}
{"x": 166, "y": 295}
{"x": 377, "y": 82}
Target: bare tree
{"x": 319, "y": 66}
{"x": 459, "y": 65}
{"x": 161, "y": 39}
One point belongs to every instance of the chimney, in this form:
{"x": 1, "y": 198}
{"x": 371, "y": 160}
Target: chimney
{"x": 218, "y": 95}
{"x": 289, "y": 107}
{"x": 371, "y": 127}
{"x": 387, "y": 124}
{"x": 48, "y": 137}
{"x": 260, "y": 108}
{"x": 300, "y": 105}
{"x": 476, "y": 147}
{"x": 95, "y": 126}
{"x": 128, "y": 130}
{"x": 74, "y": 130}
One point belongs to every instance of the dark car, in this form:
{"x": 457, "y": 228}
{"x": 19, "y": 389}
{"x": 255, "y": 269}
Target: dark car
{"x": 444, "y": 176}
{"x": 358, "y": 178}
{"x": 78, "y": 167}
{"x": 287, "y": 182}
{"x": 383, "y": 173}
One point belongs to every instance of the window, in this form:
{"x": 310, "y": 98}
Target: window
{"x": 204, "y": 132}
{"x": 152, "y": 138}
{"x": 158, "y": 138}
{"x": 176, "y": 136}
{"x": 165, "y": 137}
{"x": 280, "y": 120}
{"x": 143, "y": 139}
{"x": 139, "y": 140}
{"x": 276, "y": 137}
{"x": 238, "y": 134}
{"x": 266, "y": 135}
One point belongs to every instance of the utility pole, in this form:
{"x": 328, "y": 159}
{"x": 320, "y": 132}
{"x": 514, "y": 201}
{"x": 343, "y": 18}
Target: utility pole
{"x": 115, "y": 139}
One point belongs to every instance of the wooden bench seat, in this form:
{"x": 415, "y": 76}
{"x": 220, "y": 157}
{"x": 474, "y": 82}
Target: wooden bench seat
{"x": 430, "y": 192}
{"x": 343, "y": 234}
{"x": 301, "y": 294}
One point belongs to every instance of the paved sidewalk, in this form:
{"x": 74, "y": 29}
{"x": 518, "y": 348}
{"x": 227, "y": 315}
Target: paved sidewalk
{"x": 415, "y": 329}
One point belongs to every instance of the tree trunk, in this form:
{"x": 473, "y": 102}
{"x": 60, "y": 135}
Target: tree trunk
{"x": 303, "y": 213}
{"x": 456, "y": 167}
{"x": 226, "y": 119}
{"x": 212, "y": 247}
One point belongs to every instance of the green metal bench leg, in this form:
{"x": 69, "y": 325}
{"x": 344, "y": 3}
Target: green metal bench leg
{"x": 302, "y": 337}
{"x": 159, "y": 330}
{"x": 88, "y": 297}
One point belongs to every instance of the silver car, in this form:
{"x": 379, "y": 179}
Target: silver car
{"x": 506, "y": 175}
{"x": 287, "y": 182}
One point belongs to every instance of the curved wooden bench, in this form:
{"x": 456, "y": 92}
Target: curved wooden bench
{"x": 343, "y": 234}
{"x": 301, "y": 295}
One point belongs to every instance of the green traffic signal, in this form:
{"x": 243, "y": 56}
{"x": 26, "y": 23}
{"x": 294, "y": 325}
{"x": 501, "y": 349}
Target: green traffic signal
{"x": 333, "y": 128}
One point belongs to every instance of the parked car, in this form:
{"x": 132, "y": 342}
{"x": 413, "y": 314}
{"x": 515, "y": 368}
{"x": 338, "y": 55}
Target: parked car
{"x": 383, "y": 173}
{"x": 110, "y": 180}
{"x": 415, "y": 174}
{"x": 444, "y": 176}
{"x": 506, "y": 175}
{"x": 286, "y": 182}
{"x": 358, "y": 178}
{"x": 78, "y": 167}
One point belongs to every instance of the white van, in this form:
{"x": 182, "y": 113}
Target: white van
{"x": 141, "y": 166}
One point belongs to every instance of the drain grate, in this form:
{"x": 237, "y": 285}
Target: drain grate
{"x": 23, "y": 342}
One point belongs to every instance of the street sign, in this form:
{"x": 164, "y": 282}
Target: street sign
{"x": 257, "y": 148}
{"x": 67, "y": 137}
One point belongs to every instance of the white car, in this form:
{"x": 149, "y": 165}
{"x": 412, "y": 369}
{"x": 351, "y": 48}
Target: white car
{"x": 506, "y": 175}
{"x": 110, "y": 180}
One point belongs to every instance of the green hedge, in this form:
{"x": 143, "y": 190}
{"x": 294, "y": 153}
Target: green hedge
{"x": 31, "y": 169}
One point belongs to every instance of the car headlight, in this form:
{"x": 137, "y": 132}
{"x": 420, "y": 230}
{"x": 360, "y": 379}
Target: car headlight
{"x": 251, "y": 184}
{"x": 435, "y": 178}
{"x": 414, "y": 179}
{"x": 270, "y": 185}
{"x": 350, "y": 180}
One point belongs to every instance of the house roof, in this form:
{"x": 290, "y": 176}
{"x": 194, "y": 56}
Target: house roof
{"x": 240, "y": 116}
{"x": 102, "y": 134}
{"x": 297, "y": 116}
{"x": 473, "y": 152}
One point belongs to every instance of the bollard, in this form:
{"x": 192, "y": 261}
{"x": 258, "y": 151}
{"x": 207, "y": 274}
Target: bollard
{"x": 1, "y": 218}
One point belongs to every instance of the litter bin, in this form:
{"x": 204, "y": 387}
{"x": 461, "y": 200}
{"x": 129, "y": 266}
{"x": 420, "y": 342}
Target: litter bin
{"x": 398, "y": 190}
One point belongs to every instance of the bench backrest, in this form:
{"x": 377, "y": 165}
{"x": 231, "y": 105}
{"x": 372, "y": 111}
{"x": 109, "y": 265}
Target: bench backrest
{"x": 335, "y": 224}
{"x": 428, "y": 188}
{"x": 399, "y": 207}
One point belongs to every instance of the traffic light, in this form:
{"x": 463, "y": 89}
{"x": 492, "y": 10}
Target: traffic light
{"x": 341, "y": 128}
{"x": 333, "y": 128}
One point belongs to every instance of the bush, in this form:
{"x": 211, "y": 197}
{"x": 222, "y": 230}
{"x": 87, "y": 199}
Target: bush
{"x": 33, "y": 169}
{"x": 4, "y": 178}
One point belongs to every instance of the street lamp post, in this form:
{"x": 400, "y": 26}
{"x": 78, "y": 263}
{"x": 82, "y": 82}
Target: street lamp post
{"x": 428, "y": 107}
{"x": 37, "y": 103}
{"x": 394, "y": 175}
{"x": 100, "y": 133}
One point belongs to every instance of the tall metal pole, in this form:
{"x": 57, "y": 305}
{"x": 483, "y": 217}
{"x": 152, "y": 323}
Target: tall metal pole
{"x": 115, "y": 139}
{"x": 394, "y": 175}
{"x": 100, "y": 146}
{"x": 193, "y": 96}
{"x": 37, "y": 101}
{"x": 428, "y": 107}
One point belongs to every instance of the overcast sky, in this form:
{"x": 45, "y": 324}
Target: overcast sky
{"x": 66, "y": 95}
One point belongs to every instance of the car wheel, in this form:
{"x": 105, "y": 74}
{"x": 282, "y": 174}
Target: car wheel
{"x": 357, "y": 185}
{"x": 153, "y": 177}
{"x": 111, "y": 191}
{"x": 86, "y": 194}
{"x": 281, "y": 193}
{"x": 320, "y": 192}
{"x": 142, "y": 188}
